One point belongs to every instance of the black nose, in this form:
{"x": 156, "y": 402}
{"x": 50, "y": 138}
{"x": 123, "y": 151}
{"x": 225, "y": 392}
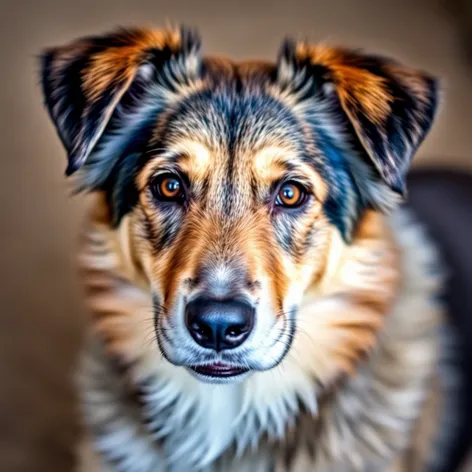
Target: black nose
{"x": 217, "y": 324}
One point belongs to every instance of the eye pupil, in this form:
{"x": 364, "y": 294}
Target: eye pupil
{"x": 171, "y": 186}
{"x": 288, "y": 192}
{"x": 290, "y": 195}
{"x": 168, "y": 188}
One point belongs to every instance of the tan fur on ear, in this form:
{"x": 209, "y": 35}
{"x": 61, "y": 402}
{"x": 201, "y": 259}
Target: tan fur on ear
{"x": 118, "y": 64}
{"x": 356, "y": 87}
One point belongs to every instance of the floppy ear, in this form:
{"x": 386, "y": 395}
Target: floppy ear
{"x": 101, "y": 91}
{"x": 385, "y": 108}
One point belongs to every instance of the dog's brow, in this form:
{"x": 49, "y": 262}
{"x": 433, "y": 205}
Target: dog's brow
{"x": 194, "y": 155}
{"x": 185, "y": 154}
{"x": 275, "y": 160}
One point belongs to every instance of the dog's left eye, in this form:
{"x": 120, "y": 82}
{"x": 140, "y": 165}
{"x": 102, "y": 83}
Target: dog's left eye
{"x": 169, "y": 188}
{"x": 290, "y": 195}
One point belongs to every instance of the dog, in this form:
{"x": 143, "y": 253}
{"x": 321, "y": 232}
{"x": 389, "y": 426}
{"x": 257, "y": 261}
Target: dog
{"x": 260, "y": 299}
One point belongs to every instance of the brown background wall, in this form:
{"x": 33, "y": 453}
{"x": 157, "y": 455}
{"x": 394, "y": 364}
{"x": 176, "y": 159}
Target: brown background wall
{"x": 40, "y": 310}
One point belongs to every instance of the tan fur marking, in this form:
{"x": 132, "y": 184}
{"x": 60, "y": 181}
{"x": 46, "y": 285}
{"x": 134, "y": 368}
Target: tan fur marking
{"x": 117, "y": 65}
{"x": 359, "y": 287}
{"x": 357, "y": 88}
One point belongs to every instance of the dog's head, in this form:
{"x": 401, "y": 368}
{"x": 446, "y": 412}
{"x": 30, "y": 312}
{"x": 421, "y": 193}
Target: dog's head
{"x": 239, "y": 181}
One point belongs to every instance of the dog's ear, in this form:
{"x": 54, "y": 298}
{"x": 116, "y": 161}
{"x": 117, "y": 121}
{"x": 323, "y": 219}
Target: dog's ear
{"x": 382, "y": 109}
{"x": 101, "y": 91}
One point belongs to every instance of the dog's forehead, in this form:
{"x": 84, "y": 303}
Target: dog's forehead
{"x": 234, "y": 121}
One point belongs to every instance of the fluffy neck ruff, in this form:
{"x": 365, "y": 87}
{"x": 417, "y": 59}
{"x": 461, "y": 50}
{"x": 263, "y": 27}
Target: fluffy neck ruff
{"x": 365, "y": 343}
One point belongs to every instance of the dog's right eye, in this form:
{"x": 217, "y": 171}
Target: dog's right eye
{"x": 168, "y": 188}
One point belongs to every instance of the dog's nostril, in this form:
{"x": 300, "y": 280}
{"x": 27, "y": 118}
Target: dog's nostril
{"x": 235, "y": 331}
{"x": 203, "y": 331}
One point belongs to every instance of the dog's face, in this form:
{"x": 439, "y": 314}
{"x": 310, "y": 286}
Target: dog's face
{"x": 233, "y": 225}
{"x": 235, "y": 179}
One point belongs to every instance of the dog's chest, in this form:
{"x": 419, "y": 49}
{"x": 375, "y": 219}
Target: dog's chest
{"x": 167, "y": 429}
{"x": 186, "y": 425}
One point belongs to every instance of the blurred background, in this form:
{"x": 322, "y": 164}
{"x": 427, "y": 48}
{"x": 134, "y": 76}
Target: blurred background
{"x": 41, "y": 316}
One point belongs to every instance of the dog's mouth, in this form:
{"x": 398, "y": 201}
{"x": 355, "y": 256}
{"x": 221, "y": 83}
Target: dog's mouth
{"x": 219, "y": 370}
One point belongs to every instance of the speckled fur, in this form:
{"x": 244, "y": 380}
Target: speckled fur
{"x": 366, "y": 422}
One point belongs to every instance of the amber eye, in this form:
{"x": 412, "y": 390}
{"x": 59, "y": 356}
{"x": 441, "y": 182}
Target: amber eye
{"x": 290, "y": 195}
{"x": 168, "y": 187}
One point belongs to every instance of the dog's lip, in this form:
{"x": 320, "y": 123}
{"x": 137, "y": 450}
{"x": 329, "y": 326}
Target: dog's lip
{"x": 219, "y": 369}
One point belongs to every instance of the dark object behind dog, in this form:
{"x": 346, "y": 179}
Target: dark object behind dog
{"x": 442, "y": 199}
